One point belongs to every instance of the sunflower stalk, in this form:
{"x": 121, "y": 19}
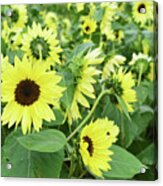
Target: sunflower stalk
{"x": 140, "y": 75}
{"x": 89, "y": 115}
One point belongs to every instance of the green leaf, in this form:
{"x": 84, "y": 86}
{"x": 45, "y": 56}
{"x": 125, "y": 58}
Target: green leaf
{"x": 124, "y": 107}
{"x": 50, "y": 140}
{"x": 148, "y": 155}
{"x": 79, "y": 50}
{"x": 68, "y": 82}
{"x": 28, "y": 164}
{"x": 124, "y": 165}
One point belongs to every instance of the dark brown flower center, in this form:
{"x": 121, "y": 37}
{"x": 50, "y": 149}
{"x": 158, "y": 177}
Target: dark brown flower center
{"x": 88, "y": 140}
{"x": 27, "y": 92}
{"x": 87, "y": 28}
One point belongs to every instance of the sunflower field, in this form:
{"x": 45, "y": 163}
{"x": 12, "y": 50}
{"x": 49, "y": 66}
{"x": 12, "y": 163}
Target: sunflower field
{"x": 79, "y": 95}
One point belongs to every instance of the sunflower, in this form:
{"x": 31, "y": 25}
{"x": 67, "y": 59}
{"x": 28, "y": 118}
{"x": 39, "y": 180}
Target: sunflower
{"x": 121, "y": 84}
{"x": 109, "y": 14}
{"x": 41, "y": 45}
{"x": 89, "y": 25}
{"x": 141, "y": 65}
{"x": 95, "y": 141}
{"x": 17, "y": 17}
{"x": 51, "y": 21}
{"x": 84, "y": 72}
{"x": 142, "y": 17}
{"x": 28, "y": 90}
{"x": 112, "y": 64}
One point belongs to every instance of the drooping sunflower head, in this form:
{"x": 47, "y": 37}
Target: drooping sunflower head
{"x": 95, "y": 141}
{"x": 141, "y": 63}
{"x": 84, "y": 71}
{"x": 28, "y": 90}
{"x": 110, "y": 10}
{"x": 51, "y": 21}
{"x": 112, "y": 64}
{"x": 89, "y": 25}
{"x": 41, "y": 45}
{"x": 17, "y": 16}
{"x": 142, "y": 12}
{"x": 121, "y": 84}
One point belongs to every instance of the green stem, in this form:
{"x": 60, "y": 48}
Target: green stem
{"x": 89, "y": 115}
{"x": 40, "y": 53}
{"x": 122, "y": 130}
{"x": 82, "y": 174}
{"x": 140, "y": 75}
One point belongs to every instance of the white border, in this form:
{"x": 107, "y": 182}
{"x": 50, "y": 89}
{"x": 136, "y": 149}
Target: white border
{"x": 53, "y": 182}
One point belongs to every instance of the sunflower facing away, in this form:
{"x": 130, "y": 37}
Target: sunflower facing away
{"x": 95, "y": 141}
{"x": 142, "y": 17}
{"x": 41, "y": 45}
{"x": 17, "y": 17}
{"x": 89, "y": 25}
{"x": 27, "y": 90}
{"x": 84, "y": 73}
{"x": 112, "y": 64}
{"x": 121, "y": 84}
{"x": 141, "y": 64}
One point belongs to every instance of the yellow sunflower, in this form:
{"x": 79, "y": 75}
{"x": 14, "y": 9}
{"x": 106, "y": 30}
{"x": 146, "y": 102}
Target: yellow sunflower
{"x": 27, "y": 90}
{"x": 142, "y": 17}
{"x": 17, "y": 17}
{"x": 112, "y": 64}
{"x": 84, "y": 82}
{"x": 95, "y": 141}
{"x": 89, "y": 25}
{"x": 110, "y": 10}
{"x": 121, "y": 84}
{"x": 41, "y": 45}
{"x": 51, "y": 21}
{"x": 141, "y": 66}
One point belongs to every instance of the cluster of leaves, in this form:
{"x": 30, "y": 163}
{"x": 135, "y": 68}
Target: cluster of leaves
{"x": 47, "y": 154}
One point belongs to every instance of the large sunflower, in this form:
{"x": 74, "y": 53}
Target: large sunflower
{"x": 95, "y": 141}
{"x": 27, "y": 90}
{"x": 142, "y": 17}
{"x": 17, "y": 17}
{"x": 84, "y": 82}
{"x": 121, "y": 84}
{"x": 41, "y": 45}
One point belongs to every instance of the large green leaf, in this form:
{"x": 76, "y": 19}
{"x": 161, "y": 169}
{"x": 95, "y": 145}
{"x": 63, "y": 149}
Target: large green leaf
{"x": 50, "y": 140}
{"x": 79, "y": 50}
{"x": 26, "y": 163}
{"x": 124, "y": 165}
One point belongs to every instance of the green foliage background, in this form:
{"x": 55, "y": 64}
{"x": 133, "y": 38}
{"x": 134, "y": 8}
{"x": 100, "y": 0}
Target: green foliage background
{"x": 47, "y": 154}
